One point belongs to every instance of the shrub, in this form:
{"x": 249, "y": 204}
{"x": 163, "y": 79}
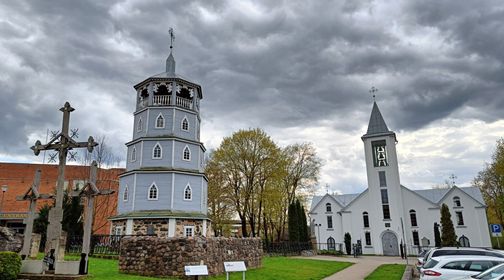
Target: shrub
{"x": 330, "y": 252}
{"x": 10, "y": 265}
{"x": 348, "y": 243}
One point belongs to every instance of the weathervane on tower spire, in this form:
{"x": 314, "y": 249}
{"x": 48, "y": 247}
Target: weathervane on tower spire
{"x": 372, "y": 91}
{"x": 172, "y": 38}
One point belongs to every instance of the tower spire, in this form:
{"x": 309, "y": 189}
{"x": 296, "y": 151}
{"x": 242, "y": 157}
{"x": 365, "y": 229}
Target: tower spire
{"x": 170, "y": 61}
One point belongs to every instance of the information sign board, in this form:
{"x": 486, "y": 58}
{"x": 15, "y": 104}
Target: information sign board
{"x": 195, "y": 270}
{"x": 234, "y": 266}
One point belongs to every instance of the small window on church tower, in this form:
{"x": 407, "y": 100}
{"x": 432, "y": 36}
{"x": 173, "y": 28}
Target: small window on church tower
{"x": 153, "y": 192}
{"x": 187, "y": 153}
{"x": 133, "y": 154}
{"x": 139, "y": 124}
{"x": 188, "y": 193}
{"x": 456, "y": 201}
{"x": 157, "y": 152}
{"x": 328, "y": 207}
{"x": 160, "y": 123}
{"x": 125, "y": 193}
{"x": 365, "y": 217}
{"x": 185, "y": 124}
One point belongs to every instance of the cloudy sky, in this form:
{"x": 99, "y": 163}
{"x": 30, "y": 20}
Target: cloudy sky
{"x": 301, "y": 70}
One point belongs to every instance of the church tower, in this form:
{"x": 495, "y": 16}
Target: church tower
{"x": 384, "y": 186}
{"x": 164, "y": 189}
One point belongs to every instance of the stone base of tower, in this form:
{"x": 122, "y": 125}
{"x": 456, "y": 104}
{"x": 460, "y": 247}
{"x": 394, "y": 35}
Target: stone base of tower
{"x": 162, "y": 226}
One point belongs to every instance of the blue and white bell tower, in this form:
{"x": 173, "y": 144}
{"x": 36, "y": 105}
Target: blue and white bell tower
{"x": 164, "y": 189}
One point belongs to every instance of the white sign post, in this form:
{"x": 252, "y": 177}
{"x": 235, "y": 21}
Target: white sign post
{"x": 196, "y": 270}
{"x": 234, "y": 267}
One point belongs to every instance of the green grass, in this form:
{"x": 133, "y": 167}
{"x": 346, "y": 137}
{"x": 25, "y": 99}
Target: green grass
{"x": 275, "y": 268}
{"x": 387, "y": 272}
{"x": 102, "y": 269}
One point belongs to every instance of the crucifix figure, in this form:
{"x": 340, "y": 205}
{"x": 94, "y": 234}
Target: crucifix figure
{"x": 62, "y": 143}
{"x": 90, "y": 191}
{"x": 32, "y": 195}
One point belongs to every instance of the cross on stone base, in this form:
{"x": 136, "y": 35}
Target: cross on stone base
{"x": 32, "y": 195}
{"x": 62, "y": 143}
{"x": 90, "y": 191}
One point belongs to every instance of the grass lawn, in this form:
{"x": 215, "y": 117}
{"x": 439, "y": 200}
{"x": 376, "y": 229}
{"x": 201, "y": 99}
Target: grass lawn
{"x": 387, "y": 272}
{"x": 273, "y": 268}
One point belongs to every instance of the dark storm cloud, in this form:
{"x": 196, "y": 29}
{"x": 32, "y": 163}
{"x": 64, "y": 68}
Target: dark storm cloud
{"x": 260, "y": 63}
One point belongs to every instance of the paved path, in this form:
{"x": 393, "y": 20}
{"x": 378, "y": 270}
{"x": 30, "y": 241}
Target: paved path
{"x": 362, "y": 267}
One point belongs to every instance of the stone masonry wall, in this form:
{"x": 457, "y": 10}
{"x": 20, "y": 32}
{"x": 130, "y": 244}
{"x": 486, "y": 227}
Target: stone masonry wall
{"x": 155, "y": 256}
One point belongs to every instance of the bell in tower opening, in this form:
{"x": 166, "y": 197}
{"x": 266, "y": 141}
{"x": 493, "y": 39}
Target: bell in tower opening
{"x": 379, "y": 153}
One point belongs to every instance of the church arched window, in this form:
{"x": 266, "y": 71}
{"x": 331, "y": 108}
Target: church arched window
{"x": 139, "y": 124}
{"x": 133, "y": 153}
{"x": 153, "y": 192}
{"x": 328, "y": 207}
{"x": 456, "y": 201}
{"x": 187, "y": 153}
{"x": 331, "y": 244}
{"x": 412, "y": 214}
{"x": 365, "y": 217}
{"x": 160, "y": 121}
{"x": 185, "y": 124}
{"x": 125, "y": 193}
{"x": 157, "y": 152}
{"x": 188, "y": 192}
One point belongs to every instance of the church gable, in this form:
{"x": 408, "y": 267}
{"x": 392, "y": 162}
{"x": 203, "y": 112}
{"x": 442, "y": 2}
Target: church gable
{"x": 458, "y": 197}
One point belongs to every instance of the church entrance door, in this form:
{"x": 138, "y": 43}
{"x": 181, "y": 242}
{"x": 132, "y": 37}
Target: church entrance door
{"x": 389, "y": 243}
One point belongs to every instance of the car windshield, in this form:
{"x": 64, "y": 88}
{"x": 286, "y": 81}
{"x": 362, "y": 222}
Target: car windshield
{"x": 491, "y": 273}
{"x": 430, "y": 264}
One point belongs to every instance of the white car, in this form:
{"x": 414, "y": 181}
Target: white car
{"x": 449, "y": 267}
{"x": 494, "y": 273}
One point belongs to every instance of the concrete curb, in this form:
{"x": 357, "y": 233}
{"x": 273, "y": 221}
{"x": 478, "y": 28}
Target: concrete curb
{"x": 408, "y": 273}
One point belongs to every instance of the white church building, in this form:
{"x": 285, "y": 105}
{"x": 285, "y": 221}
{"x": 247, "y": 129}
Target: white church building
{"x": 387, "y": 213}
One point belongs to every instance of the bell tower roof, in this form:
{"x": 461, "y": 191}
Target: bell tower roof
{"x": 377, "y": 125}
{"x": 170, "y": 65}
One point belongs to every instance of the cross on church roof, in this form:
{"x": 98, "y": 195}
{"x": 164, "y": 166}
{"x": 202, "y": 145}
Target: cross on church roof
{"x": 372, "y": 91}
{"x": 172, "y": 37}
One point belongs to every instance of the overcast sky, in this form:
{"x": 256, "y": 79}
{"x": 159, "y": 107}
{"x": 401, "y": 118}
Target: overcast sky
{"x": 301, "y": 70}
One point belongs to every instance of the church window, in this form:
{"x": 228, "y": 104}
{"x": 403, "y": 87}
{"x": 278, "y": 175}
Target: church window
{"x": 331, "y": 244}
{"x": 384, "y": 196}
{"x": 379, "y": 153}
{"x": 125, "y": 193}
{"x": 139, "y": 125}
{"x": 133, "y": 154}
{"x": 185, "y": 124}
{"x": 460, "y": 218}
{"x": 383, "y": 179}
{"x": 157, "y": 152}
{"x": 328, "y": 207}
{"x": 386, "y": 212}
{"x": 365, "y": 217}
{"x": 329, "y": 222}
{"x": 187, "y": 153}
{"x": 412, "y": 214}
{"x": 189, "y": 231}
{"x": 188, "y": 193}
{"x": 118, "y": 230}
{"x": 153, "y": 192}
{"x": 160, "y": 122}
{"x": 416, "y": 240}
{"x": 456, "y": 201}
{"x": 368, "y": 238}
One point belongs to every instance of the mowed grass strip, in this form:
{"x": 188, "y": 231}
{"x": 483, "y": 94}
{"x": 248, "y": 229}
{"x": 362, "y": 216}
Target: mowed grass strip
{"x": 387, "y": 272}
{"x": 276, "y": 268}
{"x": 273, "y": 268}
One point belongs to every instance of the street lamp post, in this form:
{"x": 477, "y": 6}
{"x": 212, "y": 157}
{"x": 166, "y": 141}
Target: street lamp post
{"x": 4, "y": 189}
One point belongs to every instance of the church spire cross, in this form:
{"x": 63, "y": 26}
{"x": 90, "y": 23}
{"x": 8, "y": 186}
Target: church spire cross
{"x": 172, "y": 38}
{"x": 373, "y": 91}
{"x": 170, "y": 61}
{"x": 452, "y": 178}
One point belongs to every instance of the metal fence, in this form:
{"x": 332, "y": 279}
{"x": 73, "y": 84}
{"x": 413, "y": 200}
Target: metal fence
{"x": 100, "y": 244}
{"x": 286, "y": 248}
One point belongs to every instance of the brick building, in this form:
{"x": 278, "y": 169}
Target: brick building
{"x": 19, "y": 176}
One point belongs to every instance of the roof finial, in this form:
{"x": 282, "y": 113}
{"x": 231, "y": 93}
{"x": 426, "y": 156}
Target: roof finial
{"x": 170, "y": 61}
{"x": 372, "y": 91}
{"x": 172, "y": 38}
{"x": 453, "y": 177}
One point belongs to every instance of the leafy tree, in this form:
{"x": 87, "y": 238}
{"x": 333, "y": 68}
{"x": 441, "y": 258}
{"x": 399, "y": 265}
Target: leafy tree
{"x": 437, "y": 235}
{"x": 40, "y": 224}
{"x": 294, "y": 234}
{"x": 303, "y": 224}
{"x": 348, "y": 243}
{"x": 448, "y": 236}
{"x": 491, "y": 183}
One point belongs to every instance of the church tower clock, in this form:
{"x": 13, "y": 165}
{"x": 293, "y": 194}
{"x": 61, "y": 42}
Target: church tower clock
{"x": 164, "y": 189}
{"x": 384, "y": 186}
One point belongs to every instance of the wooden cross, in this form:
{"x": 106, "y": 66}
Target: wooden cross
{"x": 90, "y": 191}
{"x": 32, "y": 195}
{"x": 61, "y": 143}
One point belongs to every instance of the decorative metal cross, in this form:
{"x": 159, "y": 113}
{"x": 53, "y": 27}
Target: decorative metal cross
{"x": 89, "y": 191}
{"x": 32, "y": 195}
{"x": 452, "y": 178}
{"x": 172, "y": 37}
{"x": 372, "y": 91}
{"x": 62, "y": 143}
